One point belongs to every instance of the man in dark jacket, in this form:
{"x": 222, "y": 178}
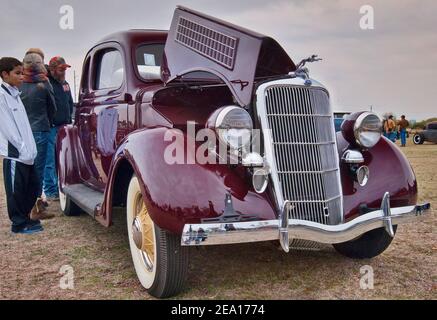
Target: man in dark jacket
{"x": 38, "y": 99}
{"x": 64, "y": 104}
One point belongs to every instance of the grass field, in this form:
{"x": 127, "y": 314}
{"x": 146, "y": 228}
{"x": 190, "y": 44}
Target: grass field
{"x": 29, "y": 265}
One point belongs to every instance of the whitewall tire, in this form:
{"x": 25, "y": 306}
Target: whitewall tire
{"x": 160, "y": 261}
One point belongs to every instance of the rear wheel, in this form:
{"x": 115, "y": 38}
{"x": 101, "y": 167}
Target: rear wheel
{"x": 161, "y": 263}
{"x": 369, "y": 245}
{"x": 418, "y": 139}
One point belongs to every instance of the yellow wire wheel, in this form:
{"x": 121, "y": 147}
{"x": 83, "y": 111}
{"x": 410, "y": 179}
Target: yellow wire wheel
{"x": 147, "y": 232}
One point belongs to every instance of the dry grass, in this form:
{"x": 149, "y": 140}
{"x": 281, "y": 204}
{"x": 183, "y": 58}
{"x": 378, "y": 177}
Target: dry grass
{"x": 103, "y": 269}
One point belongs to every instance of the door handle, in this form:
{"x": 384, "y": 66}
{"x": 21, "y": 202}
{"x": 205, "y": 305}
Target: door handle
{"x": 85, "y": 114}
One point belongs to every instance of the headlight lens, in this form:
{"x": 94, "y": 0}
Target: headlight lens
{"x": 368, "y": 129}
{"x": 234, "y": 127}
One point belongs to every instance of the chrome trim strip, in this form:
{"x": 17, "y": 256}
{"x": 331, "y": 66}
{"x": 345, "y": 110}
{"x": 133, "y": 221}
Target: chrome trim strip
{"x": 267, "y": 230}
{"x": 284, "y": 235}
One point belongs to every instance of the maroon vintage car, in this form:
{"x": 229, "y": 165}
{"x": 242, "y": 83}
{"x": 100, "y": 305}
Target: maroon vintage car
{"x": 146, "y": 94}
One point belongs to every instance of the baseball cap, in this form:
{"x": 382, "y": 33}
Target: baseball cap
{"x": 57, "y": 62}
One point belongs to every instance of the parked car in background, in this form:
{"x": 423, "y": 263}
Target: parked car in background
{"x": 429, "y": 134}
{"x": 306, "y": 185}
{"x": 339, "y": 117}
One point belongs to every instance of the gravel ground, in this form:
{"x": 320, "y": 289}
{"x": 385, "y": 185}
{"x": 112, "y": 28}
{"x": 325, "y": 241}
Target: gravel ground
{"x": 30, "y": 265}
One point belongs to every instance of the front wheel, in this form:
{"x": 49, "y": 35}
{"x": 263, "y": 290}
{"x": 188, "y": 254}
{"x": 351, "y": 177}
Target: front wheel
{"x": 369, "y": 245}
{"x": 418, "y": 139}
{"x": 161, "y": 263}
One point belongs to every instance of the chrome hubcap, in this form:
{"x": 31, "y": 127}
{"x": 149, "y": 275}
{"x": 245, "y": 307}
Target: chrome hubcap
{"x": 137, "y": 233}
{"x": 143, "y": 233}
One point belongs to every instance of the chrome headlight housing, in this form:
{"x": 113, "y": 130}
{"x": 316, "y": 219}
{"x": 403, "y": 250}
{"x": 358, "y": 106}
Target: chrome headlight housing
{"x": 234, "y": 127}
{"x": 367, "y": 129}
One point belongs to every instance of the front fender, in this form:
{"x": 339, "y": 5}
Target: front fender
{"x": 177, "y": 194}
{"x": 390, "y": 172}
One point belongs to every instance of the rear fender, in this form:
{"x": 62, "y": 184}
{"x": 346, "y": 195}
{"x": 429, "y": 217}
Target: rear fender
{"x": 66, "y": 159}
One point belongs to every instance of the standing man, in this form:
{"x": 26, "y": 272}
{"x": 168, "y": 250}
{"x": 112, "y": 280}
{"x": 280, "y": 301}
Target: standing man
{"x": 18, "y": 148}
{"x": 63, "y": 115}
{"x": 403, "y": 125}
{"x": 389, "y": 129}
{"x": 37, "y": 97}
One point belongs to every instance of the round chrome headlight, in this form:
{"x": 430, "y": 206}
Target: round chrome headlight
{"x": 368, "y": 129}
{"x": 234, "y": 127}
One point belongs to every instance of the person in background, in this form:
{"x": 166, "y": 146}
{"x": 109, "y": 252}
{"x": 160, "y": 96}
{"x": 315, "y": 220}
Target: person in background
{"x": 38, "y": 51}
{"x": 403, "y": 124}
{"x": 38, "y": 99}
{"x": 389, "y": 129}
{"x": 64, "y": 105}
{"x": 18, "y": 148}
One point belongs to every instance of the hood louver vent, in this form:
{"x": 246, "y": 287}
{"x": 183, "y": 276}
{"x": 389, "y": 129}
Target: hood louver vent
{"x": 214, "y": 45}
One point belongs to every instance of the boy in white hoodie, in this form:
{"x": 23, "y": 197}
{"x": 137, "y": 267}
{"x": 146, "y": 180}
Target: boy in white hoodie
{"x": 17, "y": 147}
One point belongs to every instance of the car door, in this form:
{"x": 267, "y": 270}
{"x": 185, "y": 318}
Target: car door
{"x": 102, "y": 115}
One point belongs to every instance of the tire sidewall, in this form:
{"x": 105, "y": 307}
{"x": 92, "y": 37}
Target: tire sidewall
{"x": 62, "y": 200}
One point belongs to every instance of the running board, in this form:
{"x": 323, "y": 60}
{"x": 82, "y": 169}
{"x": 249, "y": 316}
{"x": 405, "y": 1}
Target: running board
{"x": 86, "y": 198}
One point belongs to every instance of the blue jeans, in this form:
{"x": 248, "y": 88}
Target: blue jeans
{"x": 41, "y": 140}
{"x": 391, "y": 136}
{"x": 403, "y": 137}
{"x": 50, "y": 175}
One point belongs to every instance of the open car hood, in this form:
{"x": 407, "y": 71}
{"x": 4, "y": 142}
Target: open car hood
{"x": 198, "y": 43}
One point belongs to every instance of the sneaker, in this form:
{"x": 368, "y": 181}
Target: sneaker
{"x": 33, "y": 223}
{"x": 29, "y": 229}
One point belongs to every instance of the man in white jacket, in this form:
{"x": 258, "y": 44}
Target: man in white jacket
{"x": 18, "y": 148}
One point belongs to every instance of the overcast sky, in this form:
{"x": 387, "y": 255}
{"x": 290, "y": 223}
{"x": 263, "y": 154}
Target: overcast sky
{"x": 392, "y": 67}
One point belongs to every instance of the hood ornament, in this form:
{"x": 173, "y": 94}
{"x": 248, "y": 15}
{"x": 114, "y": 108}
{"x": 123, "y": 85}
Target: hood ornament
{"x": 302, "y": 71}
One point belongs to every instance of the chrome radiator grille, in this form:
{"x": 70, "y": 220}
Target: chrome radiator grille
{"x": 304, "y": 150}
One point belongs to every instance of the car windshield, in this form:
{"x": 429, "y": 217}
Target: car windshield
{"x": 148, "y": 59}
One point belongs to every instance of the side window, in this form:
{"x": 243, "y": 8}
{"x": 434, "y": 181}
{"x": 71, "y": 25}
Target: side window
{"x": 432, "y": 126}
{"x": 110, "y": 70}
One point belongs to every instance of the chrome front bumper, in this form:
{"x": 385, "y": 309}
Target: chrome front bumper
{"x": 285, "y": 229}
